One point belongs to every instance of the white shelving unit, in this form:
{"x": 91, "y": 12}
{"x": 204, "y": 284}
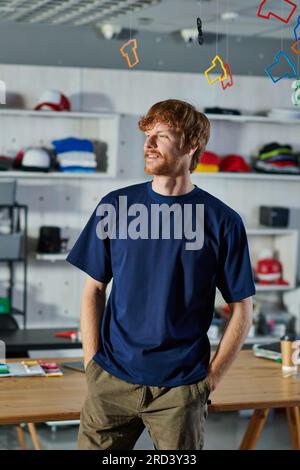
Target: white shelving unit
{"x": 22, "y": 128}
{"x": 241, "y": 120}
{"x": 51, "y": 257}
{"x": 27, "y": 175}
{"x": 251, "y": 118}
{"x": 269, "y": 231}
{"x": 113, "y": 129}
{"x": 284, "y": 244}
{"x": 103, "y": 175}
{"x": 245, "y": 135}
{"x": 285, "y": 241}
{"x": 252, "y": 340}
{"x": 274, "y": 288}
{"x": 244, "y": 176}
{"x": 55, "y": 114}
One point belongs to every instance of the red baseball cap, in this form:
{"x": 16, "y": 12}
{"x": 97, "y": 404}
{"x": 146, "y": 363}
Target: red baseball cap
{"x": 55, "y": 100}
{"x": 210, "y": 158}
{"x": 234, "y": 163}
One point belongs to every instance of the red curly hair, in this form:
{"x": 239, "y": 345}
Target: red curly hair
{"x": 193, "y": 126}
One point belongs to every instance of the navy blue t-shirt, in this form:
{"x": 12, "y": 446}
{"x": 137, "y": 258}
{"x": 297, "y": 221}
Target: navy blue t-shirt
{"x": 161, "y": 304}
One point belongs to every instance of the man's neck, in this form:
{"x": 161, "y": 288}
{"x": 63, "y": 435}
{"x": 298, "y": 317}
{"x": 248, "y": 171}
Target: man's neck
{"x": 172, "y": 185}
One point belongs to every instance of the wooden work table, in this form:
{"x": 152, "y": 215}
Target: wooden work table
{"x": 251, "y": 383}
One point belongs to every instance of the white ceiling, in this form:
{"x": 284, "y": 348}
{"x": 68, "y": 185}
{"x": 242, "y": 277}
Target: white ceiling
{"x": 164, "y": 16}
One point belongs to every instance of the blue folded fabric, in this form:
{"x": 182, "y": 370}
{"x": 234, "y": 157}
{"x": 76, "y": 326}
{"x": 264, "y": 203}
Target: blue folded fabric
{"x": 71, "y": 144}
{"x": 282, "y": 158}
{"x": 76, "y": 169}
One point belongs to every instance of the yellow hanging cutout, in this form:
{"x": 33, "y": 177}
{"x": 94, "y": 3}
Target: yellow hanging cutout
{"x": 221, "y": 77}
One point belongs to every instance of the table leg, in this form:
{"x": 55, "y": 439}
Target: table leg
{"x": 21, "y": 437}
{"x": 254, "y": 429}
{"x": 34, "y": 436}
{"x": 293, "y": 417}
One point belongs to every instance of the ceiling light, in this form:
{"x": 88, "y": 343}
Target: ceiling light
{"x": 109, "y": 31}
{"x": 189, "y": 35}
{"x": 229, "y": 16}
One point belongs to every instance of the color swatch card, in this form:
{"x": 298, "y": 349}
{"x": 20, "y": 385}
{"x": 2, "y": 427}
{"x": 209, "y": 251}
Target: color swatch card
{"x": 30, "y": 369}
{"x": 51, "y": 369}
{"x": 19, "y": 369}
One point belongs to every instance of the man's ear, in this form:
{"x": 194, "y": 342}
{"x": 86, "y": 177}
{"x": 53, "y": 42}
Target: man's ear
{"x": 192, "y": 151}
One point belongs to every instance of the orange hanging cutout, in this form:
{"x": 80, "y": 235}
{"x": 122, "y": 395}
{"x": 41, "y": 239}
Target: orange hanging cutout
{"x": 128, "y": 50}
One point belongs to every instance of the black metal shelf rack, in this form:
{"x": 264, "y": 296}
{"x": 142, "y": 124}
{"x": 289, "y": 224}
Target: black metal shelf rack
{"x": 18, "y": 216}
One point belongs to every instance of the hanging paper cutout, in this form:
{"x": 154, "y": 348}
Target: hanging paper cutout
{"x": 296, "y": 92}
{"x": 221, "y": 77}
{"x": 279, "y": 57}
{"x": 128, "y": 50}
{"x": 229, "y": 78}
{"x": 267, "y": 14}
{"x": 297, "y": 29}
{"x": 296, "y": 47}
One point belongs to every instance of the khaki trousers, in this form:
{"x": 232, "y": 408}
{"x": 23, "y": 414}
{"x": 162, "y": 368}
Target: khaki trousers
{"x": 116, "y": 412}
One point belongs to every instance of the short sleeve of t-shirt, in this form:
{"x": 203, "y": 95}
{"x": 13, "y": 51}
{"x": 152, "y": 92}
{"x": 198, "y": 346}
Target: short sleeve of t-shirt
{"x": 235, "y": 275}
{"x": 91, "y": 253}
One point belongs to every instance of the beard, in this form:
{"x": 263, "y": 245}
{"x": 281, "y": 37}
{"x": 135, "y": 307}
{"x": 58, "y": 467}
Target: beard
{"x": 159, "y": 166}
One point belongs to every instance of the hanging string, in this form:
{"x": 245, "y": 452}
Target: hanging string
{"x": 282, "y": 26}
{"x": 215, "y": 89}
{"x": 130, "y": 17}
{"x": 297, "y": 63}
{"x": 81, "y": 88}
{"x": 217, "y": 26}
{"x": 227, "y": 37}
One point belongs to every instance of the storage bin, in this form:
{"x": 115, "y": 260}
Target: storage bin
{"x": 10, "y": 246}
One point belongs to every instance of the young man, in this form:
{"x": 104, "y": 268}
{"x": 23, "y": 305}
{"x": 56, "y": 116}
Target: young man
{"x": 167, "y": 244}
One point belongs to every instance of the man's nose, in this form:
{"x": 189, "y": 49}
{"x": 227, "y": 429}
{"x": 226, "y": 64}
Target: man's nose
{"x": 150, "y": 142}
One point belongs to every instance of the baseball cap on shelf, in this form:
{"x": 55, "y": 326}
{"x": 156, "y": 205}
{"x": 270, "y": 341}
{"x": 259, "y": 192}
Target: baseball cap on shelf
{"x": 268, "y": 269}
{"x": 234, "y": 163}
{"x": 53, "y": 100}
{"x": 210, "y": 158}
{"x": 208, "y": 162}
{"x": 34, "y": 159}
